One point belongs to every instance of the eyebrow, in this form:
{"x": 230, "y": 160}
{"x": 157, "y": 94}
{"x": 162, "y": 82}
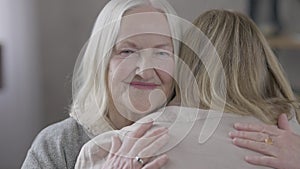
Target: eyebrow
{"x": 132, "y": 44}
{"x": 164, "y": 46}
{"x": 126, "y": 42}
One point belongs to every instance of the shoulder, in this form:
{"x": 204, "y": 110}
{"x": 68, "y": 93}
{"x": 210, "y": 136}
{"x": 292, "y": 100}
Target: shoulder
{"x": 57, "y": 145}
{"x": 61, "y": 131}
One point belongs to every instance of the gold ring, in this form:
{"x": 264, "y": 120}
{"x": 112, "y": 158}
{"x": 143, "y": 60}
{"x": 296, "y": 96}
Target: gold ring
{"x": 269, "y": 141}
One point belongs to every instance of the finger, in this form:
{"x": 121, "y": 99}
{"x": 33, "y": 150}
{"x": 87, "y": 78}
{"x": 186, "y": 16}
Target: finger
{"x": 145, "y": 152}
{"x": 156, "y": 132}
{"x": 141, "y": 130}
{"x": 283, "y": 122}
{"x": 267, "y": 161}
{"x": 146, "y": 140}
{"x": 132, "y": 137}
{"x": 260, "y": 147}
{"x": 255, "y": 136}
{"x": 154, "y": 147}
{"x": 157, "y": 163}
{"x": 115, "y": 146}
{"x": 270, "y": 129}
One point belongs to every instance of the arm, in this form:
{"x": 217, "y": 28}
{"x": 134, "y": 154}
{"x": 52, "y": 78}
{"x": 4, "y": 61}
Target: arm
{"x": 56, "y": 146}
{"x": 279, "y": 146}
{"x": 45, "y": 153}
{"x": 31, "y": 161}
{"x": 138, "y": 143}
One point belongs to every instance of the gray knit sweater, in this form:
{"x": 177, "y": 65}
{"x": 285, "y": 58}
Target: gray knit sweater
{"x": 56, "y": 146}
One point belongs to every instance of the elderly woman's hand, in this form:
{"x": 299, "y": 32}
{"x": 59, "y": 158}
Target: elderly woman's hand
{"x": 280, "y": 147}
{"x": 136, "y": 151}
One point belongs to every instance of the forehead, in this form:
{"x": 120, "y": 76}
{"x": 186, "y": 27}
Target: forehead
{"x": 146, "y": 41}
{"x": 143, "y": 20}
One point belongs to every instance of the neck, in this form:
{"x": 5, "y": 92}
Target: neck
{"x": 117, "y": 120}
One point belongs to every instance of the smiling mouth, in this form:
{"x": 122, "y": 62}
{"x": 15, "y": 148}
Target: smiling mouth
{"x": 143, "y": 85}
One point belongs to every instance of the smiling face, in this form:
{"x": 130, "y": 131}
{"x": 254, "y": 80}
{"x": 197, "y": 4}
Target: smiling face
{"x": 142, "y": 63}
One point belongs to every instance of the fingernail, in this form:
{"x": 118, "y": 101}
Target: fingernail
{"x": 163, "y": 127}
{"x": 285, "y": 115}
{"x": 235, "y": 140}
{"x": 164, "y": 160}
{"x": 165, "y": 156}
{"x": 166, "y": 136}
{"x": 148, "y": 120}
{"x": 231, "y": 134}
{"x": 237, "y": 124}
{"x": 249, "y": 158}
{"x": 163, "y": 130}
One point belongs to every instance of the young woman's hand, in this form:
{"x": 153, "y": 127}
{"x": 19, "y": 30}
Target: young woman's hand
{"x": 279, "y": 146}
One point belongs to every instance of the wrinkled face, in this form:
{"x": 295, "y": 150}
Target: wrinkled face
{"x": 142, "y": 63}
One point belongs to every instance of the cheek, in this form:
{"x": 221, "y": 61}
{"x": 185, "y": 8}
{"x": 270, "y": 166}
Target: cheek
{"x": 166, "y": 75}
{"x": 168, "y": 87}
{"x": 119, "y": 69}
{"x": 166, "y": 79}
{"x": 166, "y": 72}
{"x": 114, "y": 75}
{"x": 164, "y": 66}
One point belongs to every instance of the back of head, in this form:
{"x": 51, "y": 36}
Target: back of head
{"x": 255, "y": 83}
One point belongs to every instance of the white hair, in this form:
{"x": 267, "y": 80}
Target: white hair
{"x": 89, "y": 86}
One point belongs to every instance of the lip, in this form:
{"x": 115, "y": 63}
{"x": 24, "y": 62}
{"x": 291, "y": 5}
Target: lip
{"x": 143, "y": 85}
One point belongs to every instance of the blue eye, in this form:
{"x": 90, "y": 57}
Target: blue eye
{"x": 163, "y": 53}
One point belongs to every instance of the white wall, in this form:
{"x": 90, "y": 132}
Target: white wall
{"x": 20, "y": 97}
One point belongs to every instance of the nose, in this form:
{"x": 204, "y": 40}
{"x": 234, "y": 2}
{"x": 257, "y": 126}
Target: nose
{"x": 145, "y": 66}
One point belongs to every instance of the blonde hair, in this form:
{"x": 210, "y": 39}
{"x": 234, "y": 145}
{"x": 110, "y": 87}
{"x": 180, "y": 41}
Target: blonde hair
{"x": 89, "y": 85}
{"x": 255, "y": 83}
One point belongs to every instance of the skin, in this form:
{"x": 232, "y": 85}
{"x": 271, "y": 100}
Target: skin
{"x": 140, "y": 81}
{"x": 283, "y": 153}
{"x": 138, "y": 142}
{"x": 141, "y": 66}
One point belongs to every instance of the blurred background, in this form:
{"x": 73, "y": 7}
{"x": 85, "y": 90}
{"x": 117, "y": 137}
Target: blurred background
{"x": 41, "y": 39}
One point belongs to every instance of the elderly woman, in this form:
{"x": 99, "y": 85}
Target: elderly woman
{"x": 236, "y": 72}
{"x": 124, "y": 73}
